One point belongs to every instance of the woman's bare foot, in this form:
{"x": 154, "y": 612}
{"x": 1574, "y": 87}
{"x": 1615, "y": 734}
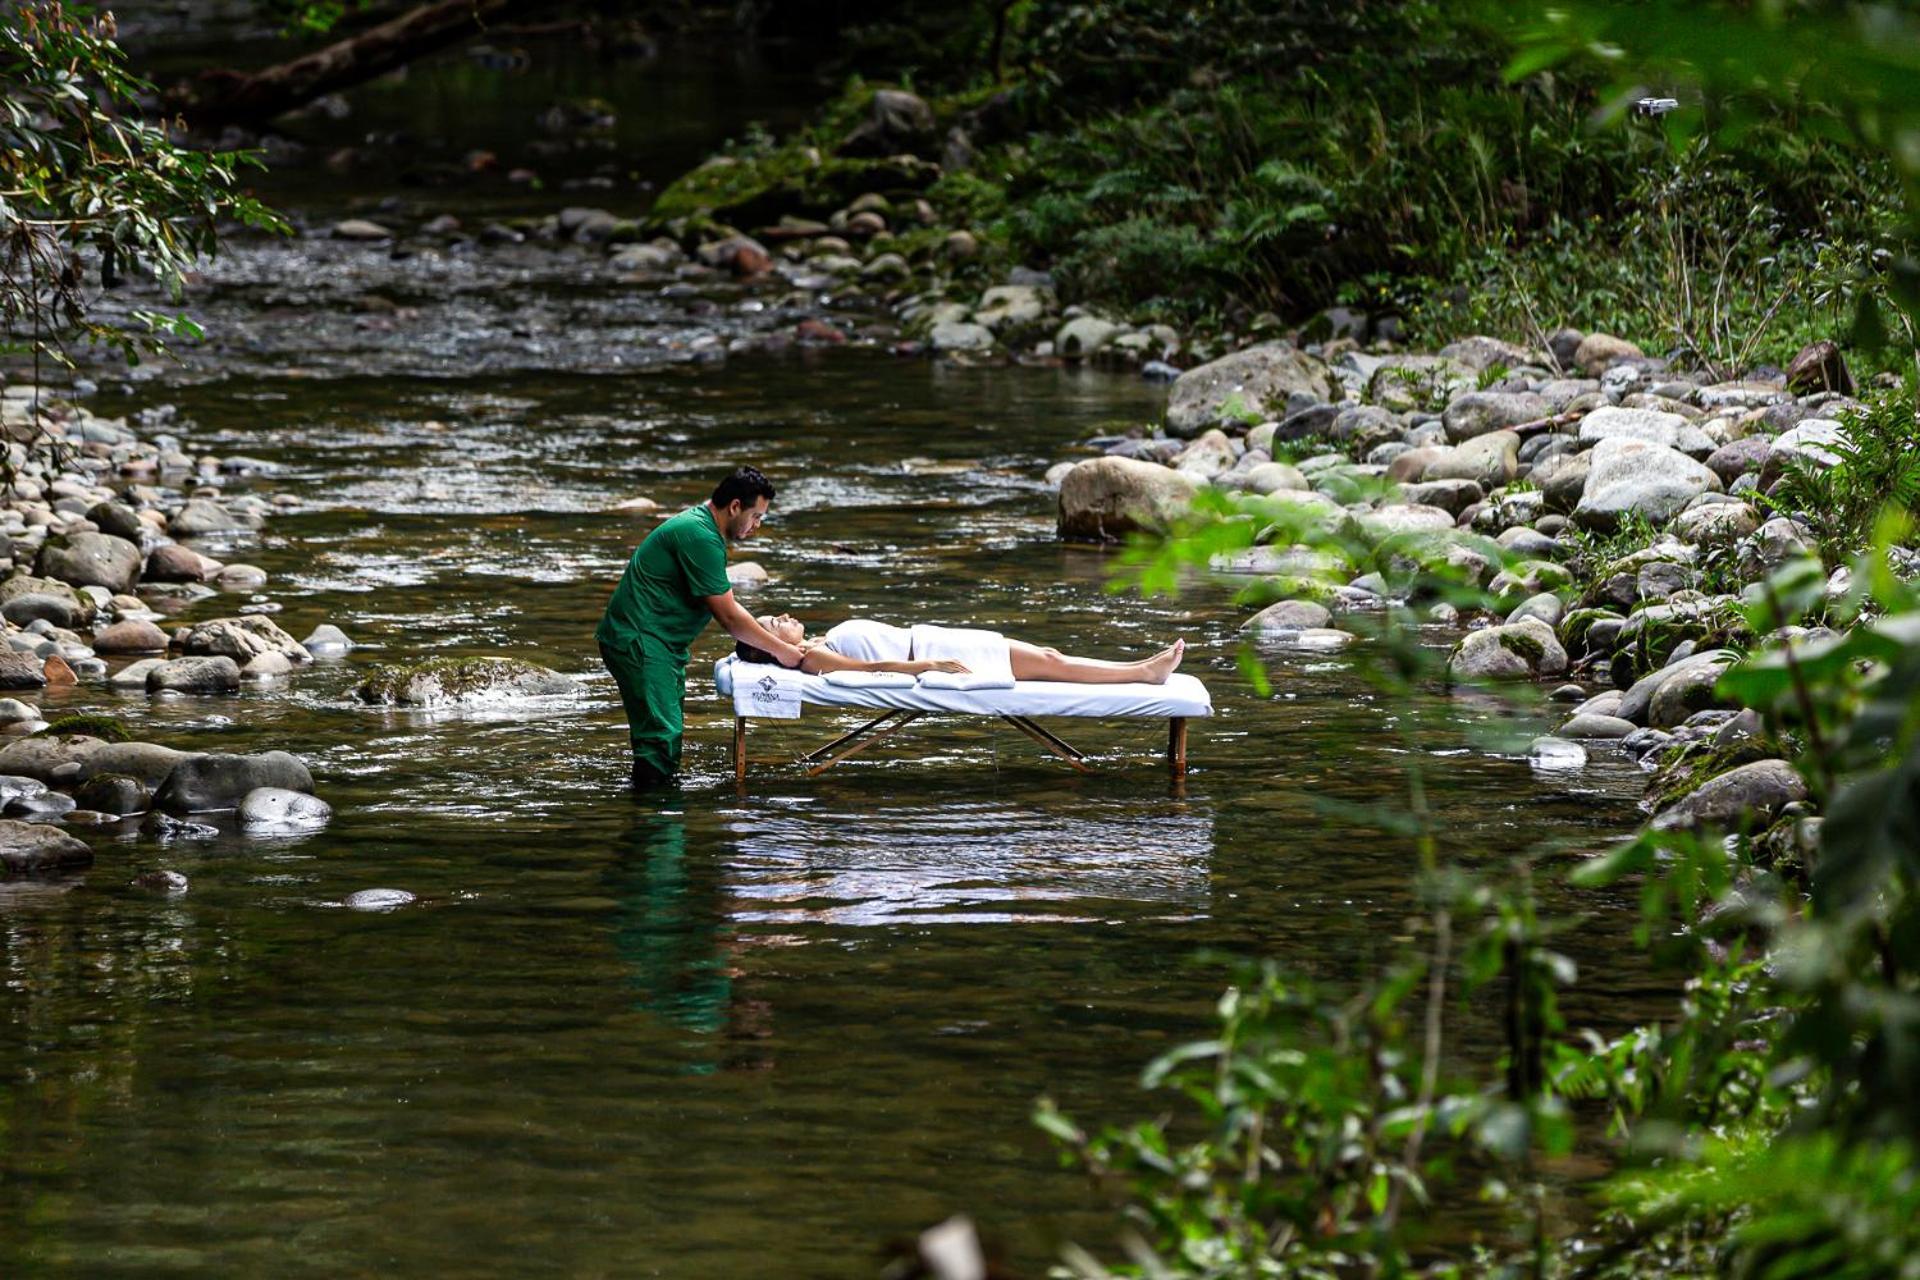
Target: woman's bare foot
{"x": 1164, "y": 663}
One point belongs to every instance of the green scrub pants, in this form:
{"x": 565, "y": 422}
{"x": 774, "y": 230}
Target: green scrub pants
{"x": 652, "y": 686}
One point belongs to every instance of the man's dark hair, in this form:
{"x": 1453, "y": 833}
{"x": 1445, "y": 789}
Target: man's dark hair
{"x": 744, "y": 486}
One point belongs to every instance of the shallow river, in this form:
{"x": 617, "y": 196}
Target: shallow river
{"x": 728, "y": 1035}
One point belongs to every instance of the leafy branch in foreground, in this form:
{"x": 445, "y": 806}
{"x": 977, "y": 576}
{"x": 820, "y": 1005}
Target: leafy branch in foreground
{"x": 90, "y": 190}
{"x": 1764, "y": 1128}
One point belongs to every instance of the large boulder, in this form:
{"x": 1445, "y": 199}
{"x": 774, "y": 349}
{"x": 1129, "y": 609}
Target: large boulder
{"x": 1258, "y": 380}
{"x": 90, "y": 559}
{"x": 1479, "y": 412}
{"x": 1517, "y": 651}
{"x": 441, "y": 682}
{"x": 27, "y": 847}
{"x": 243, "y": 639}
{"x": 1748, "y": 796}
{"x": 25, "y": 598}
{"x": 1104, "y": 499}
{"x": 1641, "y": 478}
{"x": 211, "y": 782}
{"x": 1670, "y": 429}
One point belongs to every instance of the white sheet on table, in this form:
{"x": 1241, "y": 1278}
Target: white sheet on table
{"x": 1181, "y": 695}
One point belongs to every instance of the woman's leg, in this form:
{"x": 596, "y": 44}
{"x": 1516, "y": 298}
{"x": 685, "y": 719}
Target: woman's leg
{"x": 1030, "y": 662}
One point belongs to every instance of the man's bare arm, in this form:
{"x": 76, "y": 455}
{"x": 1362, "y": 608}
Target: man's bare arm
{"x": 738, "y": 623}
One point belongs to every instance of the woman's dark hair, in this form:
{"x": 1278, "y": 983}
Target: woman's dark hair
{"x": 752, "y": 653}
{"x": 745, "y": 486}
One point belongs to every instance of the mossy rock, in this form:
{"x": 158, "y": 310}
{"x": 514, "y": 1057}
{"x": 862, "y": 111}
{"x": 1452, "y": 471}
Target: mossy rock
{"x": 461, "y": 681}
{"x": 105, "y": 728}
{"x": 756, "y": 190}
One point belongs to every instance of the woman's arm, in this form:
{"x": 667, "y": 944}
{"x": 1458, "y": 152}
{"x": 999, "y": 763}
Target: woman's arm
{"x": 820, "y": 660}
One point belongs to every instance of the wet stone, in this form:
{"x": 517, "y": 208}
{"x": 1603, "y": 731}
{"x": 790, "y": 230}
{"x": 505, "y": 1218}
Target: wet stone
{"x": 277, "y": 809}
{"x": 161, "y": 882}
{"x": 26, "y": 848}
{"x": 379, "y": 899}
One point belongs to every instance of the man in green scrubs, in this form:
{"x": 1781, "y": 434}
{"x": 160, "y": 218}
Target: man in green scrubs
{"x": 675, "y": 582}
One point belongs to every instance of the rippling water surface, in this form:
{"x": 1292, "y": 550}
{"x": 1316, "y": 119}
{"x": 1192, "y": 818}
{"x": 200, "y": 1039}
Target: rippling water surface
{"x": 742, "y": 1035}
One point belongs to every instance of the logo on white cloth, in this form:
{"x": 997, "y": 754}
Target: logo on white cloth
{"x": 768, "y": 692}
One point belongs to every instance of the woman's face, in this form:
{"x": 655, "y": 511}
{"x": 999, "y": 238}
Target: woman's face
{"x": 784, "y": 626}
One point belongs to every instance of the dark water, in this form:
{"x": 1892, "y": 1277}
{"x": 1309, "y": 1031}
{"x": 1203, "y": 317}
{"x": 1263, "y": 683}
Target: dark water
{"x": 728, "y": 1035}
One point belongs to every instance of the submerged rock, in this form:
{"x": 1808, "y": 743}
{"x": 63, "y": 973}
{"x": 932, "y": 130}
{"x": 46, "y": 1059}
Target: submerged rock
{"x": 211, "y": 782}
{"x": 378, "y": 899}
{"x": 462, "y": 682}
{"x": 327, "y": 640}
{"x": 277, "y": 809}
{"x": 168, "y": 882}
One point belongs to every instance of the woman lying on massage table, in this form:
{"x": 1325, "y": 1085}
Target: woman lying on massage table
{"x": 861, "y": 644}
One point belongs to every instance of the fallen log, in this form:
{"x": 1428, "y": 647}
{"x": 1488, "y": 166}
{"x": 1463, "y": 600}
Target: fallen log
{"x": 219, "y": 98}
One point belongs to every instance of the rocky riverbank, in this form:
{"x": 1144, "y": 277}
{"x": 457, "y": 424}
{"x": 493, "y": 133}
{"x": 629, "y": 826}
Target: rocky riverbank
{"x": 1618, "y": 511}
{"x": 108, "y": 538}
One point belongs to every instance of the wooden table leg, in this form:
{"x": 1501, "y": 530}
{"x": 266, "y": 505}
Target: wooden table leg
{"x": 1177, "y": 747}
{"x": 739, "y": 748}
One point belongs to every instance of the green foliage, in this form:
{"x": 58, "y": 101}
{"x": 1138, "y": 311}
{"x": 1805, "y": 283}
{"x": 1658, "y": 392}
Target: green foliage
{"x": 88, "y": 187}
{"x": 1878, "y": 463}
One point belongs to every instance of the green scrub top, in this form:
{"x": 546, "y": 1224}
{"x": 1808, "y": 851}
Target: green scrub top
{"x": 660, "y": 602}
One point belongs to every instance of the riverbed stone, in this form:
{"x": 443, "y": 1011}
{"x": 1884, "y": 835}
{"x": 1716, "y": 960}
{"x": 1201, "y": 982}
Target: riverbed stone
{"x": 20, "y": 670}
{"x": 1746, "y": 796}
{"x": 1555, "y": 753}
{"x": 462, "y": 682}
{"x": 1519, "y": 651}
{"x": 112, "y": 793}
{"x": 211, "y": 782}
{"x": 1480, "y": 353}
{"x": 207, "y": 675}
{"x": 1638, "y": 699}
{"x": 1104, "y": 499}
{"x": 1772, "y": 545}
{"x": 1083, "y": 336}
{"x": 1670, "y": 429}
{"x": 1590, "y": 725}
{"x": 1719, "y": 524}
{"x": 1453, "y": 496}
{"x": 1642, "y": 478}
{"x": 242, "y": 639}
{"x": 1562, "y": 479}
{"x": 240, "y": 577}
{"x": 327, "y": 641}
{"x": 1478, "y": 412}
{"x": 1489, "y": 460}
{"x": 30, "y": 847}
{"x": 148, "y": 763}
{"x": 275, "y": 809}
{"x": 1599, "y": 351}
{"x": 203, "y": 516}
{"x": 118, "y": 519}
{"x": 171, "y": 562}
{"x": 14, "y": 711}
{"x": 1273, "y": 477}
{"x": 1289, "y": 615}
{"x": 1257, "y": 380}
{"x": 134, "y": 674}
{"x": 1679, "y": 696}
{"x": 960, "y": 335}
{"x": 130, "y": 637}
{"x": 1012, "y": 307}
{"x": 1745, "y": 456}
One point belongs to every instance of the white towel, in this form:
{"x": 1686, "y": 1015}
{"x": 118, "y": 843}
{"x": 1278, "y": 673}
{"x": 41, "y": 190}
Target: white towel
{"x": 983, "y": 653}
{"x": 871, "y": 679}
{"x": 764, "y": 691}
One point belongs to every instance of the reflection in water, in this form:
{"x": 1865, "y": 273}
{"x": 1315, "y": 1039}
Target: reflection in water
{"x": 962, "y": 863}
{"x": 667, "y": 929}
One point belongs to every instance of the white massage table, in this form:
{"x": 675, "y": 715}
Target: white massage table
{"x": 758, "y": 690}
